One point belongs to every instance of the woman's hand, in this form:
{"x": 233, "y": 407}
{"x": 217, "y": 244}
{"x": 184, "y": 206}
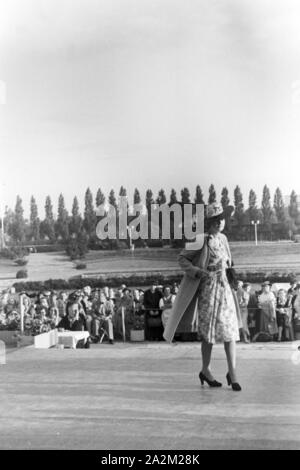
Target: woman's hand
{"x": 197, "y": 272}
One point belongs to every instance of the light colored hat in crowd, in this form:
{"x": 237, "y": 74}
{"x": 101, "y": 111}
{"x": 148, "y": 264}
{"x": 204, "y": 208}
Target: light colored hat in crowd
{"x": 87, "y": 290}
{"x": 266, "y": 283}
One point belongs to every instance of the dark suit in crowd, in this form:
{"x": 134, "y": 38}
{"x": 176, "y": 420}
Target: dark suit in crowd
{"x": 153, "y": 323}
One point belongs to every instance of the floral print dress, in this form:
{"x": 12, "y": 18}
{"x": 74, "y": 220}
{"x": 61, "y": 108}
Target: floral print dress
{"x": 217, "y": 318}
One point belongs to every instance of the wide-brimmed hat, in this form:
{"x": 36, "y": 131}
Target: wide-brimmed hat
{"x": 216, "y": 210}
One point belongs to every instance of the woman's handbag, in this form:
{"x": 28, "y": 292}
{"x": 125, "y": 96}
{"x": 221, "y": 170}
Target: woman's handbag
{"x": 231, "y": 277}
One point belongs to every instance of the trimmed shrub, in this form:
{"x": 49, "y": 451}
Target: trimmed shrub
{"x": 7, "y": 253}
{"x": 48, "y": 248}
{"x": 80, "y": 266}
{"x": 13, "y": 252}
{"x": 133, "y": 280}
{"x": 21, "y": 261}
{"x": 22, "y": 274}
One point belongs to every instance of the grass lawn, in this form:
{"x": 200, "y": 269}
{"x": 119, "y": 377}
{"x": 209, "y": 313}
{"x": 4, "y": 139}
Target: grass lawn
{"x": 277, "y": 257}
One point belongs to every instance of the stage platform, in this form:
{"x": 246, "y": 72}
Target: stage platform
{"x": 148, "y": 396}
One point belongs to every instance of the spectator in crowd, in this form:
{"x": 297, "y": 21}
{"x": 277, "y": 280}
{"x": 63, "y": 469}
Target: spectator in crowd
{"x": 293, "y": 285}
{"x": 53, "y": 309}
{"x": 239, "y": 290}
{"x": 165, "y": 304}
{"x": 86, "y": 303}
{"x": 284, "y": 315}
{"x": 175, "y": 288}
{"x": 2, "y": 318}
{"x": 106, "y": 292}
{"x": 112, "y": 294}
{"x": 141, "y": 296}
{"x": 98, "y": 300}
{"x": 243, "y": 299}
{"x": 12, "y": 319}
{"x": 124, "y": 309}
{"x": 42, "y": 302}
{"x": 296, "y": 310}
{"x": 267, "y": 326}
{"x": 136, "y": 295}
{"x": 73, "y": 321}
{"x": 153, "y": 323}
{"x": 106, "y": 320}
{"x": 61, "y": 304}
{"x": 252, "y": 308}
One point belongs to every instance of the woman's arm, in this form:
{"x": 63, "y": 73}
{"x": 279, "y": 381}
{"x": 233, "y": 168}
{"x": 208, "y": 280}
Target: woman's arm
{"x": 185, "y": 260}
{"x": 227, "y": 249}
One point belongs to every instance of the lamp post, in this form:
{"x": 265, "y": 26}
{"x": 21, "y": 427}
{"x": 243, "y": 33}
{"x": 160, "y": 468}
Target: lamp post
{"x": 131, "y": 245}
{"x": 255, "y": 223}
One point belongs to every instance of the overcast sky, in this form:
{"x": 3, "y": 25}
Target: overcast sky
{"x": 148, "y": 93}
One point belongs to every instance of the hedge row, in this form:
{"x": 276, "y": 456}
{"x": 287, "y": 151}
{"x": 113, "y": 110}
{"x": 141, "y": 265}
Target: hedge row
{"x": 134, "y": 280}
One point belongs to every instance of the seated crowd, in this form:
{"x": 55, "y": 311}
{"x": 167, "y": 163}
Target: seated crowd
{"x": 104, "y": 313}
{"x": 110, "y": 313}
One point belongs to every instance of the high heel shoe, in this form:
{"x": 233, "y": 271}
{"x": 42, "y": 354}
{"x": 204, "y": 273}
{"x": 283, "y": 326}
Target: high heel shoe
{"x": 235, "y": 385}
{"x": 211, "y": 383}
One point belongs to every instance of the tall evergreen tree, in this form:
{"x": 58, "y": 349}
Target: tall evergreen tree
{"x": 225, "y": 198}
{"x": 112, "y": 199}
{"x": 238, "y": 206}
{"x": 123, "y": 194}
{"x": 75, "y": 224}
{"x": 225, "y": 203}
{"x": 173, "y": 197}
{"x": 62, "y": 221}
{"x": 252, "y": 212}
{"x": 212, "y": 194}
{"x": 293, "y": 206}
{"x": 173, "y": 200}
{"x": 17, "y": 228}
{"x": 100, "y": 198}
{"x": 279, "y": 206}
{"x": 136, "y": 197}
{"x": 122, "y": 191}
{"x": 34, "y": 220}
{"x": 8, "y": 221}
{"x": 149, "y": 199}
{"x": 161, "y": 198}
{"x": 47, "y": 227}
{"x": 266, "y": 208}
{"x": 89, "y": 220}
{"x": 199, "y": 195}
{"x": 185, "y": 196}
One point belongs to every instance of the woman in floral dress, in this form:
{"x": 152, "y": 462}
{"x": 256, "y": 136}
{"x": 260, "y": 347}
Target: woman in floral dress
{"x": 205, "y": 294}
{"x": 217, "y": 310}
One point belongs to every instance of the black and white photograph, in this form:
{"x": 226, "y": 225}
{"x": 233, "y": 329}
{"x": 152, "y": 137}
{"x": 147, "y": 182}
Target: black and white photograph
{"x": 149, "y": 228}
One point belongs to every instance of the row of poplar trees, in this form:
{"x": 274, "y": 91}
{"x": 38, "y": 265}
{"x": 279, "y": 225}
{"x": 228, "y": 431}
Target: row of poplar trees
{"x": 276, "y": 219}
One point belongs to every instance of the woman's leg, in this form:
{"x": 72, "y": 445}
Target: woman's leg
{"x": 230, "y": 349}
{"x": 206, "y": 349}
